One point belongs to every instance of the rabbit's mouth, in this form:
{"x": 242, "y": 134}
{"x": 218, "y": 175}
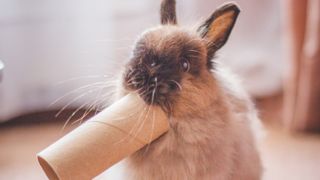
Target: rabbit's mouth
{"x": 161, "y": 94}
{"x": 154, "y": 90}
{"x": 158, "y": 92}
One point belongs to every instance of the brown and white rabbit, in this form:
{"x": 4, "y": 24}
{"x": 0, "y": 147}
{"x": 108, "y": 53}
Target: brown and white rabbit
{"x": 210, "y": 115}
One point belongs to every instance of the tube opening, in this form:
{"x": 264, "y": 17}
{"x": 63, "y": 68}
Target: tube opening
{"x": 51, "y": 174}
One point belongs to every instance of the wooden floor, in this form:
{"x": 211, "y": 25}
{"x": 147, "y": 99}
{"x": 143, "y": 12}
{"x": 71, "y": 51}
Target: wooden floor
{"x": 285, "y": 156}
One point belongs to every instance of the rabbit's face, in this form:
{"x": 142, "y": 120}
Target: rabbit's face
{"x": 161, "y": 58}
{"x": 170, "y": 66}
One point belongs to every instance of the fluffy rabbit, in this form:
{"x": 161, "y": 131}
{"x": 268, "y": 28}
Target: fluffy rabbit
{"x": 210, "y": 115}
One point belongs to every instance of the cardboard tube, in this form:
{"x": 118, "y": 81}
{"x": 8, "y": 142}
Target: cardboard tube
{"x": 113, "y": 134}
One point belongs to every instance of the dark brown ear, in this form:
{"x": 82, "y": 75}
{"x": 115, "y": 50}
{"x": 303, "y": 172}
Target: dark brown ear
{"x": 217, "y": 28}
{"x": 168, "y": 12}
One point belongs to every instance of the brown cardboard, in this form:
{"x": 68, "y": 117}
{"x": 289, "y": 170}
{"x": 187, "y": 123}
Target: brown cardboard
{"x": 113, "y": 134}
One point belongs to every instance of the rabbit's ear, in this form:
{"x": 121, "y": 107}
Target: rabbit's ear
{"x": 168, "y": 12}
{"x": 217, "y": 28}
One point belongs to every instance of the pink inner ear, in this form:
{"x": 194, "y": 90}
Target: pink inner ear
{"x": 220, "y": 27}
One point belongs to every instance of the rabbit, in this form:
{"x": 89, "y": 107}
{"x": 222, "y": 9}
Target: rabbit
{"x": 210, "y": 115}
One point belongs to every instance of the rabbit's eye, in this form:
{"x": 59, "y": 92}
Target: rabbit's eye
{"x": 185, "y": 65}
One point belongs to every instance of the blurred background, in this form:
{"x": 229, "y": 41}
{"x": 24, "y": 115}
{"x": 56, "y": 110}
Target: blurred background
{"x": 57, "y": 54}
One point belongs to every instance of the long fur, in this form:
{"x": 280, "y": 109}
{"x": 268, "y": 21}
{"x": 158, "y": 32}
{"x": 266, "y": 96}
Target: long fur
{"x": 211, "y": 119}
